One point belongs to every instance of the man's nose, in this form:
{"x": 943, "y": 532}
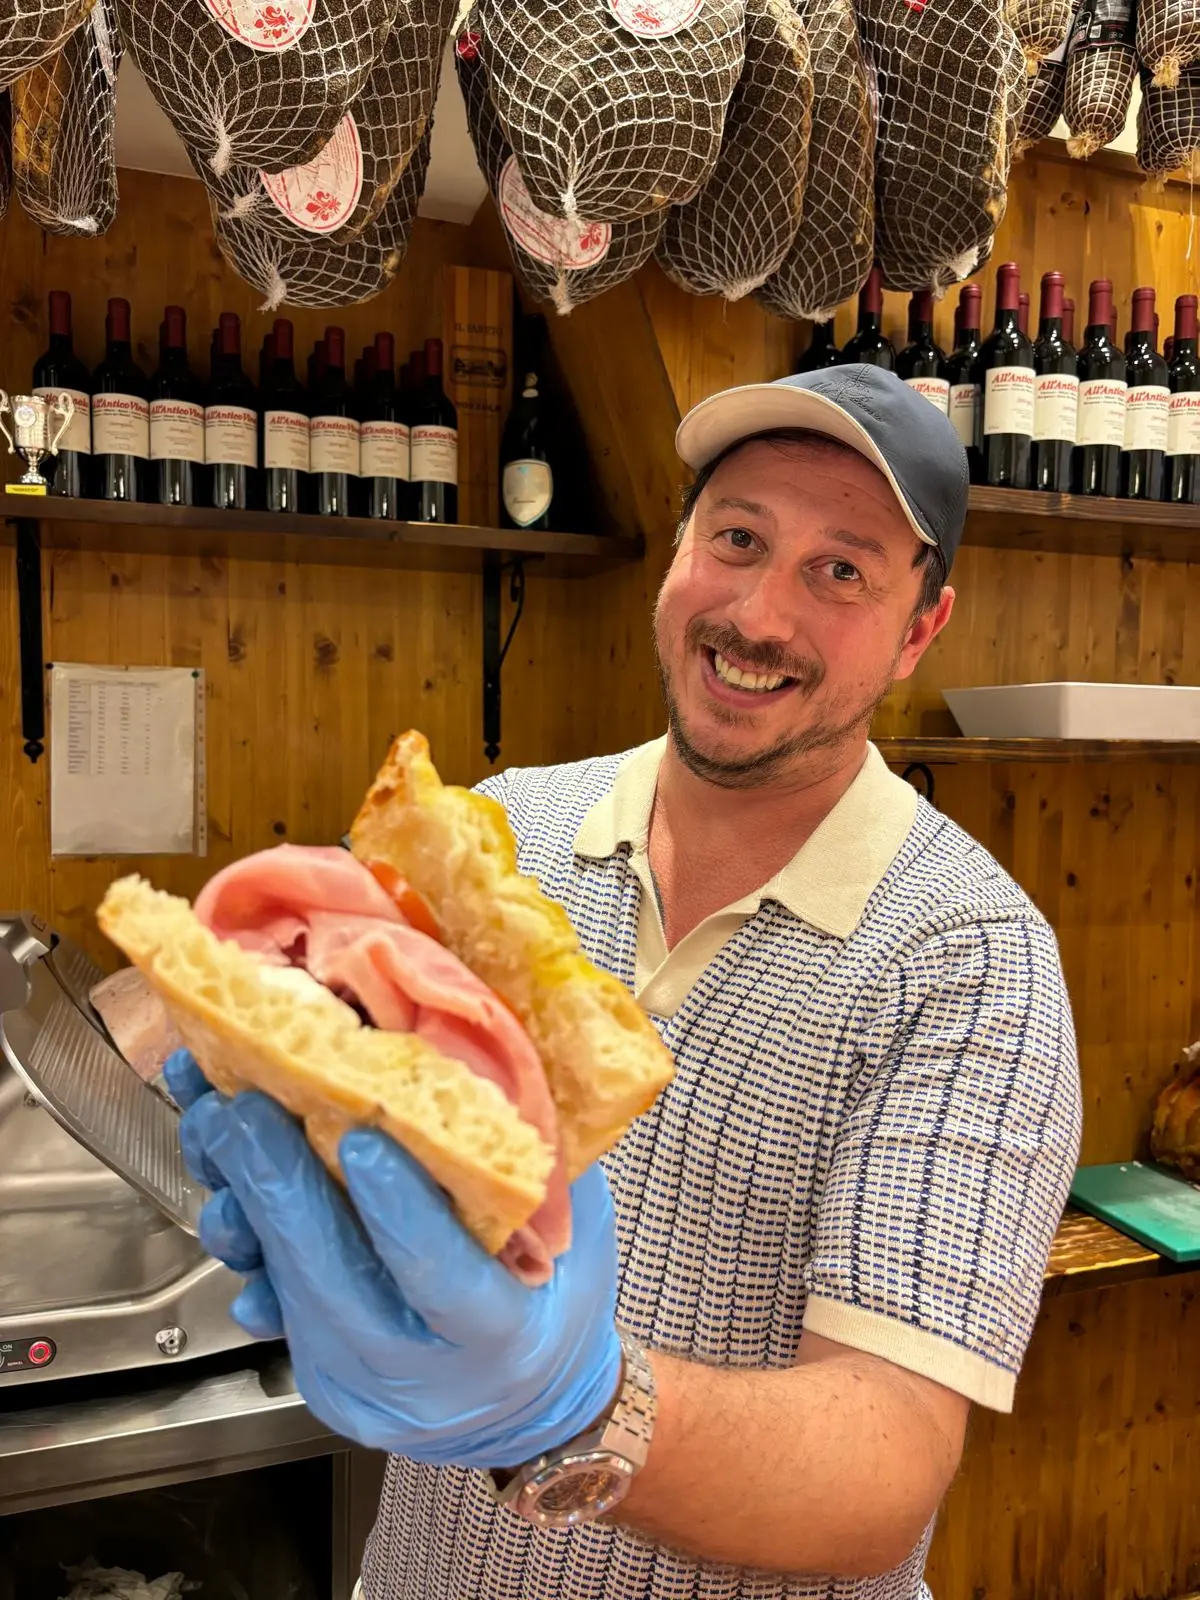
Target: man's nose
{"x": 767, "y": 609}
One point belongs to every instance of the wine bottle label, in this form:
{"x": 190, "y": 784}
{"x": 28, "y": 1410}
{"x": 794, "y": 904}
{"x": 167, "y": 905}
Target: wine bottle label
{"x": 264, "y": 24}
{"x": 385, "y": 450}
{"x": 230, "y": 436}
{"x": 333, "y": 445}
{"x": 434, "y": 454}
{"x": 935, "y": 390}
{"x": 1147, "y": 417}
{"x": 1056, "y": 407}
{"x": 964, "y": 404}
{"x": 569, "y": 246}
{"x": 1102, "y": 411}
{"x": 176, "y": 430}
{"x": 320, "y": 195}
{"x": 1183, "y": 425}
{"x": 1008, "y": 400}
{"x": 528, "y": 488}
{"x": 120, "y": 425}
{"x": 655, "y": 19}
{"x": 77, "y": 435}
{"x": 285, "y": 440}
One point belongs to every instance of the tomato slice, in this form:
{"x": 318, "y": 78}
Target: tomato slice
{"x": 411, "y": 906}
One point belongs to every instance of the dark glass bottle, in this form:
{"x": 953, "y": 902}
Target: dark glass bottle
{"x": 231, "y": 424}
{"x": 384, "y": 438}
{"x": 922, "y": 362}
{"x": 1147, "y": 406}
{"x": 1023, "y": 312}
{"x": 1056, "y": 393}
{"x": 120, "y": 415}
{"x": 333, "y": 433}
{"x": 1101, "y": 369}
{"x": 60, "y": 371}
{"x": 1068, "y": 321}
{"x": 1183, "y": 433}
{"x": 960, "y": 371}
{"x": 526, "y": 470}
{"x": 434, "y": 441}
{"x": 177, "y": 420}
{"x": 822, "y": 351}
{"x": 284, "y": 451}
{"x": 1004, "y": 372}
{"x": 870, "y": 343}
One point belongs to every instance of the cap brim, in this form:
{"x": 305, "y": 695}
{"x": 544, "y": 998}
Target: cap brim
{"x": 724, "y": 419}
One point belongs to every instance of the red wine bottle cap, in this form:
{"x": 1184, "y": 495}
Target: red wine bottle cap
{"x": 335, "y": 347}
{"x": 116, "y": 323}
{"x": 1143, "y": 311}
{"x": 433, "y": 358}
{"x": 385, "y": 352}
{"x": 921, "y": 306}
{"x": 1185, "y": 317}
{"x": 283, "y": 335}
{"x": 870, "y": 296}
{"x": 1052, "y": 294}
{"x": 60, "y": 312}
{"x": 229, "y": 332}
{"x": 175, "y": 328}
{"x": 416, "y": 365}
{"x": 1100, "y": 313}
{"x": 1068, "y": 316}
{"x": 1008, "y": 287}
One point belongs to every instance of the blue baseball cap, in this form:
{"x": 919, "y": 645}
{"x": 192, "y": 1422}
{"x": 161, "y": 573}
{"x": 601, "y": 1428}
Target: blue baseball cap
{"x": 870, "y": 410}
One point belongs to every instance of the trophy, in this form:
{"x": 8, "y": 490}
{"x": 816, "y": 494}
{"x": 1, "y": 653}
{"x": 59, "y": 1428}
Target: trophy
{"x": 31, "y": 436}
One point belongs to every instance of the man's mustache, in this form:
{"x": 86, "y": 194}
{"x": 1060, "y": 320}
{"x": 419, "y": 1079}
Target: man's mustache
{"x": 762, "y": 657}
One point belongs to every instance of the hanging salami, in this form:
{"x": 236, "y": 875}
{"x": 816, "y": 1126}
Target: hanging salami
{"x": 1044, "y": 106}
{"x": 1040, "y": 27}
{"x": 33, "y": 30}
{"x": 612, "y": 107}
{"x": 1101, "y": 71}
{"x": 1168, "y": 38}
{"x": 1168, "y": 127}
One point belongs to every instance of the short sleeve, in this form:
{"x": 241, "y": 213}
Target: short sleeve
{"x": 951, "y": 1167}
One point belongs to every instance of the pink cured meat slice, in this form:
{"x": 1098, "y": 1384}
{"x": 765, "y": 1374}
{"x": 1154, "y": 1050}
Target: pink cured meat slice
{"x": 357, "y": 941}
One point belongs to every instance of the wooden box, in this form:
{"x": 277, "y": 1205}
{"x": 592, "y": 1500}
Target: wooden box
{"x": 477, "y": 333}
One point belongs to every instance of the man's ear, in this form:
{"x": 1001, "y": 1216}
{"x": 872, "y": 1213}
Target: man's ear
{"x": 922, "y": 632}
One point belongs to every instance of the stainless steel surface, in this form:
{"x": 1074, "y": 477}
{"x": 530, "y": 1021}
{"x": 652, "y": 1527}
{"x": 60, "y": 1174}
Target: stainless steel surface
{"x": 85, "y": 1260}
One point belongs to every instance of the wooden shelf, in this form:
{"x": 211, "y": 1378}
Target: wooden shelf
{"x": 952, "y": 750}
{"x": 1087, "y": 1254}
{"x": 1024, "y": 519}
{"x": 339, "y": 541}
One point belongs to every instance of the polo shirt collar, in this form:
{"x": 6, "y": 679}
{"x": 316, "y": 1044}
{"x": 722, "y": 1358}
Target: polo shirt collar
{"x": 831, "y": 877}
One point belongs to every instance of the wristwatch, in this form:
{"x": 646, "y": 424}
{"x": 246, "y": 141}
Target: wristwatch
{"x": 590, "y": 1474}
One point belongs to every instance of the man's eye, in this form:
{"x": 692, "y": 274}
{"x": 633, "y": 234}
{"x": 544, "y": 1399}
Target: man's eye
{"x": 740, "y": 538}
{"x": 843, "y": 571}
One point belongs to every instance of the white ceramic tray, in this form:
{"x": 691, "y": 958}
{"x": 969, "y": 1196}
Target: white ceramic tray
{"x": 1077, "y": 711}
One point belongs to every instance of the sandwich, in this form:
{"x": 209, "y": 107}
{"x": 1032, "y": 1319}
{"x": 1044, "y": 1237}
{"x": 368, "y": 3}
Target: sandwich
{"x": 419, "y": 984}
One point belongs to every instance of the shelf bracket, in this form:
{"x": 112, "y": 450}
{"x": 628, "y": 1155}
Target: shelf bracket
{"x": 494, "y": 648}
{"x": 29, "y": 634}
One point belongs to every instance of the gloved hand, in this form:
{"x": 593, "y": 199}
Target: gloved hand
{"x": 405, "y": 1335}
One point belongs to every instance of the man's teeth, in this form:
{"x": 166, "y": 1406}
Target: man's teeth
{"x": 758, "y": 681}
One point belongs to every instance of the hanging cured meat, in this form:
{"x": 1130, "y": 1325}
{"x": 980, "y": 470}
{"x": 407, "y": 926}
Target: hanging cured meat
{"x": 63, "y": 116}
{"x": 835, "y": 242}
{"x": 1044, "y": 106}
{"x": 1169, "y": 127}
{"x": 738, "y": 229}
{"x": 1101, "y": 71}
{"x": 255, "y": 83}
{"x": 311, "y": 271}
{"x": 31, "y": 30}
{"x": 564, "y": 262}
{"x": 346, "y": 185}
{"x": 1168, "y": 38}
{"x": 1040, "y": 27}
{"x": 612, "y": 107}
{"x": 952, "y": 84}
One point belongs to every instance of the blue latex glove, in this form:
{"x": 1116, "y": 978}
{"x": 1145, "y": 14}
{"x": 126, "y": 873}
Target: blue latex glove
{"x": 404, "y": 1334}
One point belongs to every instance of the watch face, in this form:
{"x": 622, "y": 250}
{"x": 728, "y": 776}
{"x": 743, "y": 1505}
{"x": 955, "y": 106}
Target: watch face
{"x": 578, "y": 1489}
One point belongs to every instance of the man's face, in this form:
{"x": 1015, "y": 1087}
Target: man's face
{"x": 788, "y": 610}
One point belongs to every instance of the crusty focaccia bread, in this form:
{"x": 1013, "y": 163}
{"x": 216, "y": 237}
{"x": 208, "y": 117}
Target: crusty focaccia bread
{"x": 604, "y": 1061}
{"x": 253, "y": 1026}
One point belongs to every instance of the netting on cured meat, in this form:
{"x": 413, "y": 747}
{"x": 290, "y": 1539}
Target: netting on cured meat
{"x": 612, "y": 107}
{"x": 347, "y": 183}
{"x": 738, "y": 229}
{"x": 1101, "y": 72}
{"x": 63, "y": 119}
{"x": 562, "y": 261}
{"x": 1168, "y": 38}
{"x": 835, "y": 242}
{"x": 1168, "y": 129}
{"x": 254, "y": 83}
{"x": 1040, "y": 27}
{"x": 1045, "y": 103}
{"x": 311, "y": 271}
{"x": 31, "y": 30}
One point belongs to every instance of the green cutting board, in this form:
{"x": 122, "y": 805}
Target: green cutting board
{"x": 1158, "y": 1208}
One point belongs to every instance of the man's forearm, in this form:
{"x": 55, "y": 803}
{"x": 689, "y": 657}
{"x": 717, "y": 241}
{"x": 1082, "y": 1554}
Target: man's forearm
{"x": 832, "y": 1466}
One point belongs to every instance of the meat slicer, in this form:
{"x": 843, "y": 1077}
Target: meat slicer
{"x": 100, "y": 1267}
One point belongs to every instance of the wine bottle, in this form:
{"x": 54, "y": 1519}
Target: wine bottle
{"x": 526, "y": 473}
{"x": 231, "y": 424}
{"x": 120, "y": 415}
{"x": 964, "y": 385}
{"x": 434, "y": 445}
{"x": 1068, "y": 321}
{"x": 1101, "y": 369}
{"x": 1023, "y": 312}
{"x": 1183, "y": 429}
{"x": 60, "y": 371}
{"x": 1004, "y": 372}
{"x": 1055, "y": 395}
{"x": 870, "y": 343}
{"x": 334, "y": 458}
{"x": 822, "y": 351}
{"x": 922, "y": 362}
{"x": 1147, "y": 406}
{"x": 284, "y": 426}
{"x": 176, "y": 420}
{"x": 1169, "y": 350}
{"x": 384, "y": 438}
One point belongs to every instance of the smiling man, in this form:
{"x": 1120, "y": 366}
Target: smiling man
{"x": 827, "y": 1238}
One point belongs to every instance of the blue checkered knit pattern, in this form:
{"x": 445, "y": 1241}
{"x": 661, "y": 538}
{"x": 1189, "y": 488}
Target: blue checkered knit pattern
{"x": 886, "y": 1123}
